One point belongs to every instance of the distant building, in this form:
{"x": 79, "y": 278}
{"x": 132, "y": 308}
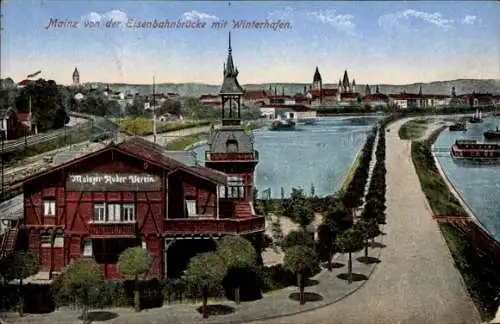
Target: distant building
{"x": 76, "y": 77}
{"x": 317, "y": 94}
{"x": 252, "y": 97}
{"x": 211, "y": 101}
{"x": 13, "y": 124}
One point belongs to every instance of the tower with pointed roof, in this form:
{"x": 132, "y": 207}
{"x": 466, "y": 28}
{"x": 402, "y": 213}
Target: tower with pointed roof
{"x": 231, "y": 148}
{"x": 368, "y": 90}
{"x": 317, "y": 83}
{"x": 345, "y": 83}
{"x": 76, "y": 77}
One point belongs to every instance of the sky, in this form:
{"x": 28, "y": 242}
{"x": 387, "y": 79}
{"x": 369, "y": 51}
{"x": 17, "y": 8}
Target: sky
{"x": 376, "y": 42}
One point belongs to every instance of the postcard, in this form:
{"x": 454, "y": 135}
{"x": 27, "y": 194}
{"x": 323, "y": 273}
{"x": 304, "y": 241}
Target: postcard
{"x": 249, "y": 161}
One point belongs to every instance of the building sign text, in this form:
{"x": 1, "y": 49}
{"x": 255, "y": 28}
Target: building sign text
{"x": 113, "y": 182}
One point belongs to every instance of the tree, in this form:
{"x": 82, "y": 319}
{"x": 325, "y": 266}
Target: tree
{"x": 47, "y": 104}
{"x": 136, "y": 109}
{"x": 300, "y": 260}
{"x": 19, "y": 265}
{"x": 351, "y": 201}
{"x": 326, "y": 243}
{"x": 82, "y": 279}
{"x": 239, "y": 255}
{"x": 369, "y": 229}
{"x": 204, "y": 276}
{"x": 350, "y": 241}
{"x": 133, "y": 263}
{"x": 298, "y": 237}
{"x": 298, "y": 208}
{"x": 171, "y": 107}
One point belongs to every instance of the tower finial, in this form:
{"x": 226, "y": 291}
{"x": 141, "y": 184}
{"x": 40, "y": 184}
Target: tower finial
{"x": 230, "y": 49}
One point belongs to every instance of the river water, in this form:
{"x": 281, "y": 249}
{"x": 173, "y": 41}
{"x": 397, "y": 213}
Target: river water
{"x": 312, "y": 155}
{"x": 478, "y": 185}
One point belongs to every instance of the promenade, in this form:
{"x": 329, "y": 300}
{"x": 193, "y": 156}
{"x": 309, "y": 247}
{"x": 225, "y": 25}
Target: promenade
{"x": 416, "y": 282}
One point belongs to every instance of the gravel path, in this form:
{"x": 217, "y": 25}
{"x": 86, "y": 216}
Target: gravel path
{"x": 416, "y": 282}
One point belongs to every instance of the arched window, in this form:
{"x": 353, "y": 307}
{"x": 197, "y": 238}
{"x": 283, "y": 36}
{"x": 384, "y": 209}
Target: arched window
{"x": 231, "y": 146}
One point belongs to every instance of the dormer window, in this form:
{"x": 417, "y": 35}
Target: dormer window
{"x": 231, "y": 146}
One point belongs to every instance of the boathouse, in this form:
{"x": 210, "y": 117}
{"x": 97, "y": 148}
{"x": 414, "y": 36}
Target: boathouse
{"x": 135, "y": 193}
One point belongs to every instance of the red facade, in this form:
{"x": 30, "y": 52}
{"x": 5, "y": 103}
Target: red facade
{"x": 125, "y": 195}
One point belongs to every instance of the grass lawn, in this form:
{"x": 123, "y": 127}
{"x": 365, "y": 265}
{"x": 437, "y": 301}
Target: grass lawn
{"x": 181, "y": 143}
{"x": 413, "y": 129}
{"x": 142, "y": 126}
{"x": 350, "y": 173}
{"x": 441, "y": 199}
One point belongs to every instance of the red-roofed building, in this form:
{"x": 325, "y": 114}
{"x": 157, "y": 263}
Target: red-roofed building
{"x": 376, "y": 99}
{"x": 211, "y": 101}
{"x": 125, "y": 195}
{"x": 137, "y": 194}
{"x": 250, "y": 97}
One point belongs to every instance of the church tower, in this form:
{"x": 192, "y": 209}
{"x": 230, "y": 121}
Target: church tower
{"x": 317, "y": 81}
{"x": 346, "y": 87}
{"x": 231, "y": 148}
{"x": 76, "y": 77}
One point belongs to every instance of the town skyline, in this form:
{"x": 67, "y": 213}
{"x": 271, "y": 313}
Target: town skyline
{"x": 375, "y": 42}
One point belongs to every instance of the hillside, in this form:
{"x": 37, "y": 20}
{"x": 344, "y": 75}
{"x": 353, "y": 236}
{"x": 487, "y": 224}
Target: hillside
{"x": 197, "y": 89}
{"x": 438, "y": 87}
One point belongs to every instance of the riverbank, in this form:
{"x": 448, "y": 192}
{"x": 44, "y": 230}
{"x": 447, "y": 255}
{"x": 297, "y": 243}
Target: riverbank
{"x": 352, "y": 170}
{"x": 476, "y": 266}
{"x": 440, "y": 198}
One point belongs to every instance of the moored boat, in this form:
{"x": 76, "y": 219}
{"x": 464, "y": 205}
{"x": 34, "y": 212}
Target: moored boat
{"x": 458, "y": 127}
{"x": 476, "y": 118}
{"x": 492, "y": 134}
{"x": 472, "y": 150}
{"x": 282, "y": 124}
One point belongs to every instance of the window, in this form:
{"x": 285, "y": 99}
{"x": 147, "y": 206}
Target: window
{"x": 49, "y": 207}
{"x": 191, "y": 207}
{"x": 99, "y": 212}
{"x": 235, "y": 187}
{"x": 231, "y": 146}
{"x": 87, "y": 248}
{"x": 222, "y": 192}
{"x": 59, "y": 240}
{"x": 45, "y": 240}
{"x": 114, "y": 213}
{"x": 128, "y": 213}
{"x": 144, "y": 245}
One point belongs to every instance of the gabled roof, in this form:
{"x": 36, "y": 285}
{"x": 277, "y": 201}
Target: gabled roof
{"x": 144, "y": 150}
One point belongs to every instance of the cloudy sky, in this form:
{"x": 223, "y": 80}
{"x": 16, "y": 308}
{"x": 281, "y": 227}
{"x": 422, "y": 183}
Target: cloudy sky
{"x": 377, "y": 42}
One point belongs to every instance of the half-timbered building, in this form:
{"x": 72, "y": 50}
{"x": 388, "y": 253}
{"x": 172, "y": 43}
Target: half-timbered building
{"x": 135, "y": 193}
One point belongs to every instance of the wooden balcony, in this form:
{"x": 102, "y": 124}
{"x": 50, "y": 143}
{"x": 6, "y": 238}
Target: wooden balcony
{"x": 232, "y": 157}
{"x": 205, "y": 226}
{"x": 113, "y": 229}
